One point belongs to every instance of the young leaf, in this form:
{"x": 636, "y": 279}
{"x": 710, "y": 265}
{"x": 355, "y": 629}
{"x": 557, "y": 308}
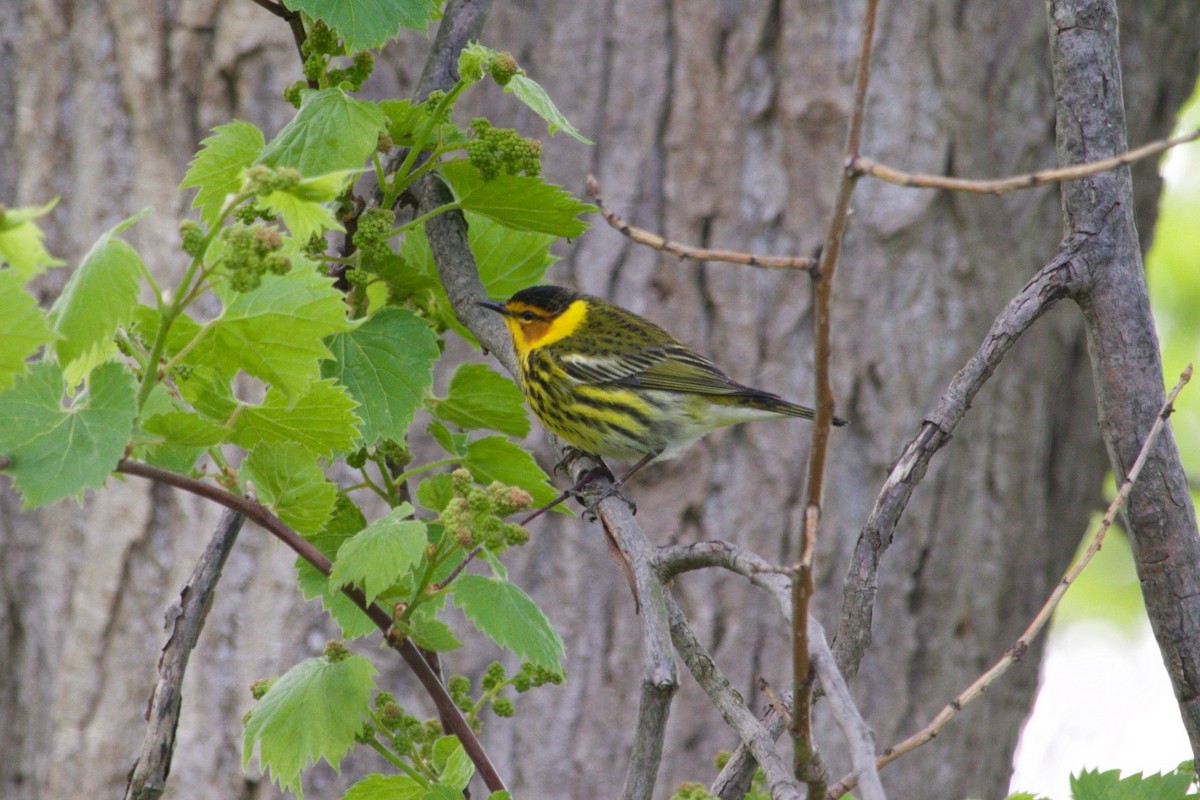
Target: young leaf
{"x": 528, "y": 204}
{"x": 21, "y": 241}
{"x": 387, "y": 364}
{"x": 378, "y": 555}
{"x": 23, "y": 327}
{"x": 332, "y": 131}
{"x": 288, "y": 479}
{"x": 347, "y": 520}
{"x": 186, "y": 428}
{"x": 529, "y": 92}
{"x": 304, "y": 218}
{"x": 57, "y": 452}
{"x": 314, "y": 710}
{"x": 431, "y": 633}
{"x": 367, "y": 24}
{"x": 100, "y": 297}
{"x": 322, "y": 419}
{"x": 217, "y": 168}
{"x": 162, "y": 451}
{"x": 1109, "y": 785}
{"x": 508, "y": 260}
{"x": 453, "y": 443}
{"x": 275, "y": 332}
{"x": 452, "y": 762}
{"x": 386, "y": 787}
{"x": 443, "y": 791}
{"x": 478, "y": 397}
{"x": 494, "y": 458}
{"x": 506, "y": 615}
{"x": 434, "y": 492}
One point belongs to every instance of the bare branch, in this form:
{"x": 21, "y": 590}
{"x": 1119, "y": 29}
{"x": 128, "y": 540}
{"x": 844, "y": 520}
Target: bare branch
{"x": 185, "y": 621}
{"x": 1021, "y": 646}
{"x": 653, "y": 240}
{"x": 863, "y": 165}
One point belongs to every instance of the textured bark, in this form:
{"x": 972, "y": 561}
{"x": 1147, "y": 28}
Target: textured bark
{"x": 715, "y": 124}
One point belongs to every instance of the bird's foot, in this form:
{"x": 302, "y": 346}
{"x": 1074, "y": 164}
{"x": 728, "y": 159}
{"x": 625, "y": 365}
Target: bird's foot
{"x": 572, "y": 455}
{"x": 591, "y": 495}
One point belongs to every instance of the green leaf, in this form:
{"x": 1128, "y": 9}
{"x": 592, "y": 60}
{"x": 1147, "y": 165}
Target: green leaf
{"x": 186, "y": 428}
{"x": 314, "y": 710}
{"x": 442, "y": 791}
{"x": 322, "y": 419}
{"x": 453, "y": 443}
{"x": 217, "y": 168}
{"x": 454, "y": 766}
{"x": 347, "y": 520}
{"x": 529, "y": 92}
{"x": 304, "y": 218}
{"x": 434, "y": 492}
{"x": 23, "y": 327}
{"x": 479, "y": 397}
{"x": 276, "y": 332}
{"x": 367, "y": 24}
{"x": 506, "y": 615}
{"x": 528, "y": 204}
{"x": 430, "y": 632}
{"x": 21, "y": 240}
{"x": 100, "y": 297}
{"x": 385, "y": 787}
{"x": 331, "y": 131}
{"x": 387, "y": 364}
{"x": 494, "y": 458}
{"x": 158, "y": 451}
{"x": 58, "y": 452}
{"x": 288, "y": 479}
{"x": 380, "y": 554}
{"x": 1109, "y": 785}
{"x": 502, "y": 794}
{"x": 508, "y": 260}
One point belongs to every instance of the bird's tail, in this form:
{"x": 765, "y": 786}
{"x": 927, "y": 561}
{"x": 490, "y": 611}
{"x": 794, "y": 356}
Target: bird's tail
{"x": 775, "y": 403}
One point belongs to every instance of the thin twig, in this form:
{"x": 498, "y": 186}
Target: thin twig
{"x": 1021, "y": 646}
{"x": 294, "y": 21}
{"x": 458, "y": 568}
{"x": 185, "y": 621}
{"x": 802, "y": 583}
{"x": 863, "y": 165}
{"x": 653, "y": 240}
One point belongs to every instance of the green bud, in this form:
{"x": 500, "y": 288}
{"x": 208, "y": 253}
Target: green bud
{"x": 260, "y": 687}
{"x": 503, "y": 707}
{"x": 191, "y": 237}
{"x": 336, "y": 651}
{"x": 503, "y": 68}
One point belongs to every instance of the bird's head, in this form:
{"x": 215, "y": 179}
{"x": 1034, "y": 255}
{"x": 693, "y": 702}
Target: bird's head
{"x": 539, "y": 315}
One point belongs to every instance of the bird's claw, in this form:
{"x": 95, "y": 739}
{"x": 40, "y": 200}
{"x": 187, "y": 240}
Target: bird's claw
{"x": 591, "y": 498}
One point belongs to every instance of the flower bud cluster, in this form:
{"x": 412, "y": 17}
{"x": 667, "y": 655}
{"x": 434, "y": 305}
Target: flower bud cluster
{"x": 502, "y": 151}
{"x": 474, "y": 514}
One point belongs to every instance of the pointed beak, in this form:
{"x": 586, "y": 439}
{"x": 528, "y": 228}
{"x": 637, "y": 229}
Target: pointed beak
{"x": 493, "y": 306}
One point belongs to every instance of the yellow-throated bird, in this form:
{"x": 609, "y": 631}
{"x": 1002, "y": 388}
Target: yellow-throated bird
{"x": 612, "y": 383}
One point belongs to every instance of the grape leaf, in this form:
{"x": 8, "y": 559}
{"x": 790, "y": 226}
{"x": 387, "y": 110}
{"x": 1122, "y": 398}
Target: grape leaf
{"x": 186, "y": 428}
{"x": 508, "y": 260}
{"x": 367, "y": 24}
{"x": 386, "y": 787}
{"x": 314, "y": 710}
{"x": 434, "y": 492}
{"x": 479, "y": 397}
{"x": 1109, "y": 785}
{"x": 529, "y": 92}
{"x": 288, "y": 479}
{"x": 21, "y": 240}
{"x": 381, "y": 553}
{"x": 217, "y": 167}
{"x": 347, "y": 520}
{"x": 528, "y": 204}
{"x": 330, "y": 132}
{"x": 275, "y": 332}
{"x": 304, "y": 218}
{"x": 452, "y": 762}
{"x": 506, "y": 615}
{"x": 58, "y": 452}
{"x": 387, "y": 364}
{"x": 100, "y": 297}
{"x": 322, "y": 419}
{"x": 494, "y": 458}
{"x": 160, "y": 450}
{"x": 431, "y": 633}
{"x": 23, "y": 327}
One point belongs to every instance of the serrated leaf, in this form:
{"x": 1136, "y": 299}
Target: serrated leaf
{"x": 528, "y": 204}
{"x": 160, "y": 452}
{"x": 529, "y": 92}
{"x": 217, "y": 167}
{"x": 431, "y": 633}
{"x": 508, "y": 260}
{"x": 322, "y": 419}
{"x": 387, "y": 364}
{"x": 479, "y": 397}
{"x": 100, "y": 297}
{"x": 330, "y": 132}
{"x": 1109, "y": 785}
{"x": 23, "y": 327}
{"x": 276, "y": 332}
{"x": 453, "y": 443}
{"x": 186, "y": 428}
{"x": 494, "y": 458}
{"x": 385, "y": 787}
{"x": 21, "y": 240}
{"x": 58, "y": 452}
{"x": 380, "y": 554}
{"x": 288, "y": 479}
{"x": 367, "y": 24}
{"x": 434, "y": 492}
{"x": 506, "y": 615}
{"x": 451, "y": 760}
{"x": 347, "y": 520}
{"x": 442, "y": 791}
{"x": 313, "y": 711}
{"x": 304, "y": 218}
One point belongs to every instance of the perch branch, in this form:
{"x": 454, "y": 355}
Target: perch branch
{"x": 1019, "y": 648}
{"x": 863, "y": 165}
{"x": 653, "y": 240}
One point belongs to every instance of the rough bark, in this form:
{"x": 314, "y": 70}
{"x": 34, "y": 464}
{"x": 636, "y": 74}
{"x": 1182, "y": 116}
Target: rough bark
{"x": 715, "y": 124}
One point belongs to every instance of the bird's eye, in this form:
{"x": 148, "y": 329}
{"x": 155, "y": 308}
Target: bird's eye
{"x": 528, "y": 316}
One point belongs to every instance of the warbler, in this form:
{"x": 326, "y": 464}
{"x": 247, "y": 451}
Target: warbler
{"x": 612, "y": 383}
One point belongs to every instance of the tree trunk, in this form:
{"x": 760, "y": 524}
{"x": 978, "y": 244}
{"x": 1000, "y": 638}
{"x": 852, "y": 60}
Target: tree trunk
{"x": 716, "y": 126}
